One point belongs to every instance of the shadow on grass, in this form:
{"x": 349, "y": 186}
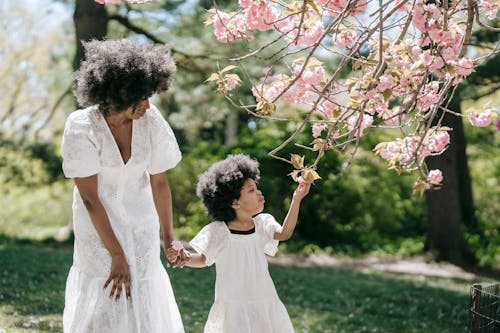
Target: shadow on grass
{"x": 318, "y": 299}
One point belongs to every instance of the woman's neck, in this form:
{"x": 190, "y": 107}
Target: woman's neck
{"x": 118, "y": 119}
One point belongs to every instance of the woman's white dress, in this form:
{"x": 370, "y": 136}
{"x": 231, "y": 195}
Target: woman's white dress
{"x": 89, "y": 148}
{"x": 246, "y": 300}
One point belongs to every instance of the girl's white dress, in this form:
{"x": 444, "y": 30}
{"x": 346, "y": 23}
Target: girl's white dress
{"x": 89, "y": 148}
{"x": 245, "y": 297}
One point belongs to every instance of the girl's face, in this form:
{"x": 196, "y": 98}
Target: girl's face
{"x": 137, "y": 111}
{"x": 251, "y": 200}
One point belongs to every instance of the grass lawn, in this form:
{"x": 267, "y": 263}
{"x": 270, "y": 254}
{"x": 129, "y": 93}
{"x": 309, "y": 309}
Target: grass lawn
{"x": 32, "y": 280}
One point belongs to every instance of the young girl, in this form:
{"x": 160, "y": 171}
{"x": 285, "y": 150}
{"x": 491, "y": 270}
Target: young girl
{"x": 237, "y": 242}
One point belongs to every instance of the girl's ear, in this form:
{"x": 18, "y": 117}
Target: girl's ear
{"x": 235, "y": 204}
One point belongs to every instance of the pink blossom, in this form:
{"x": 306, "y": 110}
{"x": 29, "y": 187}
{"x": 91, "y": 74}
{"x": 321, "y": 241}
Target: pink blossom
{"x": 416, "y": 51}
{"x": 176, "y": 245}
{"x": 482, "y": 119}
{"x": 352, "y": 124}
{"x": 228, "y": 27}
{"x": 437, "y": 141}
{"x": 345, "y": 38}
{"x": 317, "y": 129}
{"x": 449, "y": 53}
{"x": 432, "y": 62}
{"x": 298, "y": 93}
{"x": 435, "y": 176}
{"x": 334, "y": 134}
{"x": 490, "y": 8}
{"x": 419, "y": 17}
{"x": 391, "y": 151}
{"x": 312, "y": 75}
{"x": 260, "y": 15}
{"x": 230, "y": 82}
{"x": 245, "y": 3}
{"x": 335, "y": 7}
{"x": 326, "y": 109}
{"x": 429, "y": 96}
{"x": 464, "y": 67}
{"x": 436, "y": 64}
{"x": 386, "y": 82}
{"x": 434, "y": 11}
{"x": 375, "y": 102}
{"x": 311, "y": 29}
{"x": 435, "y": 33}
{"x": 497, "y": 124}
{"x": 268, "y": 92}
{"x": 393, "y": 116}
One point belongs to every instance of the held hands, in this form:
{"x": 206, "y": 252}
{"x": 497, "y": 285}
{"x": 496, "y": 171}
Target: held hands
{"x": 176, "y": 255}
{"x": 119, "y": 275}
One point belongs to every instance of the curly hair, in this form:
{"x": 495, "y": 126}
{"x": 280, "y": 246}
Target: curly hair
{"x": 222, "y": 183}
{"x": 118, "y": 74}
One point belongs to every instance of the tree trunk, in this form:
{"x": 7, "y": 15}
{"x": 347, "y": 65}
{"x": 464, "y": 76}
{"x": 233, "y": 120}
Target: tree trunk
{"x": 91, "y": 22}
{"x": 231, "y": 132}
{"x": 451, "y": 208}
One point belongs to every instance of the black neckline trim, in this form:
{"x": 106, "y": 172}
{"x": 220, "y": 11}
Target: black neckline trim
{"x": 242, "y": 232}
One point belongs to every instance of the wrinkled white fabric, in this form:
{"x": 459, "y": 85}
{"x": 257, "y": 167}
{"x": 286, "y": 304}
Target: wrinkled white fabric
{"x": 89, "y": 148}
{"x": 246, "y": 300}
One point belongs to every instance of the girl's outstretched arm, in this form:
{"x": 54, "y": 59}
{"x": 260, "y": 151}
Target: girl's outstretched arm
{"x": 293, "y": 212}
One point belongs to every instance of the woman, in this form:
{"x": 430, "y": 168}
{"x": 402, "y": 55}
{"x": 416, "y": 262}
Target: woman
{"x": 117, "y": 150}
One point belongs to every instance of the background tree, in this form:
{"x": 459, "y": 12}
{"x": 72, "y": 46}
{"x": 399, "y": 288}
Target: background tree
{"x": 360, "y": 209}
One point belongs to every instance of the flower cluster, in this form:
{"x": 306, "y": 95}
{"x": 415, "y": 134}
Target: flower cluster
{"x": 402, "y": 151}
{"x": 394, "y": 80}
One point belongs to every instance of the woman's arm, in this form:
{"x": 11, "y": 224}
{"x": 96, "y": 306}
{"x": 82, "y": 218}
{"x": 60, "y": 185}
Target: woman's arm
{"x": 293, "y": 212}
{"x": 162, "y": 197}
{"x": 119, "y": 272}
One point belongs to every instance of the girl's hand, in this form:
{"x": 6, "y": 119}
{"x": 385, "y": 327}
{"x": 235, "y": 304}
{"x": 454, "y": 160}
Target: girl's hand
{"x": 302, "y": 190}
{"x": 177, "y": 258}
{"x": 182, "y": 258}
{"x": 120, "y": 275}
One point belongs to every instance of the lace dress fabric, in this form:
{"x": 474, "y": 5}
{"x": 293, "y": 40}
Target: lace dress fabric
{"x": 124, "y": 189}
{"x": 246, "y": 300}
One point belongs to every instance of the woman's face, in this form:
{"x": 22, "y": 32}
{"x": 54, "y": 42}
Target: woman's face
{"x": 137, "y": 111}
{"x": 251, "y": 199}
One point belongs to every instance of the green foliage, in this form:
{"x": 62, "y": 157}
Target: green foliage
{"x": 35, "y": 213}
{"x": 32, "y": 282}
{"x": 17, "y": 167}
{"x": 35, "y": 203}
{"x": 46, "y": 152}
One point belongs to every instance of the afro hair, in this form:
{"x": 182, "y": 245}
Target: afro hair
{"x": 118, "y": 74}
{"x": 222, "y": 183}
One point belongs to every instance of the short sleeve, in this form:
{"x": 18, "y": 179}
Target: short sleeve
{"x": 267, "y": 226}
{"x": 79, "y": 147}
{"x": 210, "y": 240}
{"x": 165, "y": 153}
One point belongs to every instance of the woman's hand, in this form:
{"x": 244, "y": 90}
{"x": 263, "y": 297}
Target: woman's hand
{"x": 119, "y": 275}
